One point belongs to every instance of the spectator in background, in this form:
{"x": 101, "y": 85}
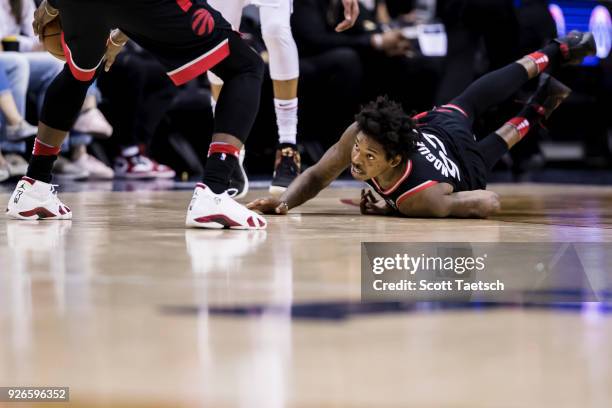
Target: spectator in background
{"x": 383, "y": 54}
{"x": 16, "y": 126}
{"x": 13, "y": 126}
{"x": 139, "y": 94}
{"x": 468, "y": 22}
{"x": 536, "y": 29}
{"x": 536, "y": 25}
{"x": 12, "y": 146}
{"x": 36, "y": 70}
{"x": 5, "y": 172}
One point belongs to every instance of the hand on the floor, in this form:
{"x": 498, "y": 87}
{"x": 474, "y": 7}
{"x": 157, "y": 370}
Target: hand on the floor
{"x": 269, "y": 205}
{"x": 487, "y": 202}
{"x": 351, "y": 12}
{"x": 43, "y": 15}
{"x": 370, "y": 205}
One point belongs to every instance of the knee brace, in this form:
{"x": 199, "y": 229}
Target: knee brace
{"x": 276, "y": 31}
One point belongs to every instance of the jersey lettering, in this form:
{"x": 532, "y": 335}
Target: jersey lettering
{"x": 441, "y": 162}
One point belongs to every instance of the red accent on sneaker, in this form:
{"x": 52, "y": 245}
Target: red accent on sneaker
{"x": 251, "y": 222}
{"x": 40, "y": 211}
{"x": 29, "y": 180}
{"x": 61, "y": 211}
{"x": 219, "y": 219}
{"x": 261, "y": 223}
{"x": 540, "y": 59}
{"x": 521, "y": 124}
{"x": 202, "y": 186}
{"x": 42, "y": 149}
{"x": 226, "y": 148}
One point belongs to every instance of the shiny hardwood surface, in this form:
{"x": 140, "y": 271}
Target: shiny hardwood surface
{"x": 85, "y": 304}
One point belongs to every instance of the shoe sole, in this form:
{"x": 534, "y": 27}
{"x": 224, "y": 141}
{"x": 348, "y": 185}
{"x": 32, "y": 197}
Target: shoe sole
{"x": 591, "y": 51}
{"x": 561, "y": 93}
{"x": 217, "y": 226}
{"x": 36, "y": 217}
{"x": 220, "y": 222}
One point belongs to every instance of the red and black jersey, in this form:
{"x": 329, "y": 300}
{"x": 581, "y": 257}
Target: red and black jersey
{"x": 446, "y": 153}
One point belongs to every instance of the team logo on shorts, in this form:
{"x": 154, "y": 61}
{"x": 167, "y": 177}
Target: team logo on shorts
{"x": 202, "y": 22}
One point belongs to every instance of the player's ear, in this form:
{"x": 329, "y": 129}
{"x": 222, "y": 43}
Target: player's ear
{"x": 396, "y": 160}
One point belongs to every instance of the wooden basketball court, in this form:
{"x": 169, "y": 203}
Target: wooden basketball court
{"x": 130, "y": 309}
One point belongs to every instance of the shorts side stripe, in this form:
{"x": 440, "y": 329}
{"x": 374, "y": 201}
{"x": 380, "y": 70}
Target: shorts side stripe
{"x": 185, "y": 5}
{"x": 201, "y": 64}
{"x": 81, "y": 74}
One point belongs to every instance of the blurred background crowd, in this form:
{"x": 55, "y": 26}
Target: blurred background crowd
{"x": 421, "y": 53}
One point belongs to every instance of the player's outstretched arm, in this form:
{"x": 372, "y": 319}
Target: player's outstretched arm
{"x": 439, "y": 202}
{"x": 308, "y": 184}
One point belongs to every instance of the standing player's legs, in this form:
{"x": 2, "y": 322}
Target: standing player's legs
{"x": 84, "y": 43}
{"x": 285, "y": 72}
{"x": 232, "y": 12}
{"x": 237, "y": 107}
{"x": 191, "y": 38}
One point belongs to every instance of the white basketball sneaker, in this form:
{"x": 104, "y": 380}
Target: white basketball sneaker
{"x": 35, "y": 200}
{"x": 216, "y": 211}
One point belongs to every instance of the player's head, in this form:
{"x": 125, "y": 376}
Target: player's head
{"x": 387, "y": 136}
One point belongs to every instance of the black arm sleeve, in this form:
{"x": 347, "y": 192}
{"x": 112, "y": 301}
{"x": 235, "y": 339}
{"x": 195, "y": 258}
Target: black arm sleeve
{"x": 312, "y": 33}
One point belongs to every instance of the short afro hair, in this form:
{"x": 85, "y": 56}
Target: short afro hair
{"x": 386, "y": 122}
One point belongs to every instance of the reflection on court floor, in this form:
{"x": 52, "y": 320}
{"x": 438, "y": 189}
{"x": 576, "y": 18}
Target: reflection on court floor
{"x": 160, "y": 316}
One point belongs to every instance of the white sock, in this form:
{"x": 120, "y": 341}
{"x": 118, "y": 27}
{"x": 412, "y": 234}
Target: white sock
{"x": 286, "y": 119}
{"x": 213, "y": 104}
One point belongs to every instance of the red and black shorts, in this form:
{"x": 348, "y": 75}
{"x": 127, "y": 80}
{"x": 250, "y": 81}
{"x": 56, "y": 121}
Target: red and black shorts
{"x": 187, "y": 36}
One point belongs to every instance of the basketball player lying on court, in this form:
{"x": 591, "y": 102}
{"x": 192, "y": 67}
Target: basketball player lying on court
{"x": 189, "y": 37}
{"x": 431, "y": 165}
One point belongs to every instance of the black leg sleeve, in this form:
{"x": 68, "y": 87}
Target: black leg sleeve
{"x": 492, "y": 148}
{"x": 63, "y": 100}
{"x": 238, "y": 104}
{"x": 491, "y": 89}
